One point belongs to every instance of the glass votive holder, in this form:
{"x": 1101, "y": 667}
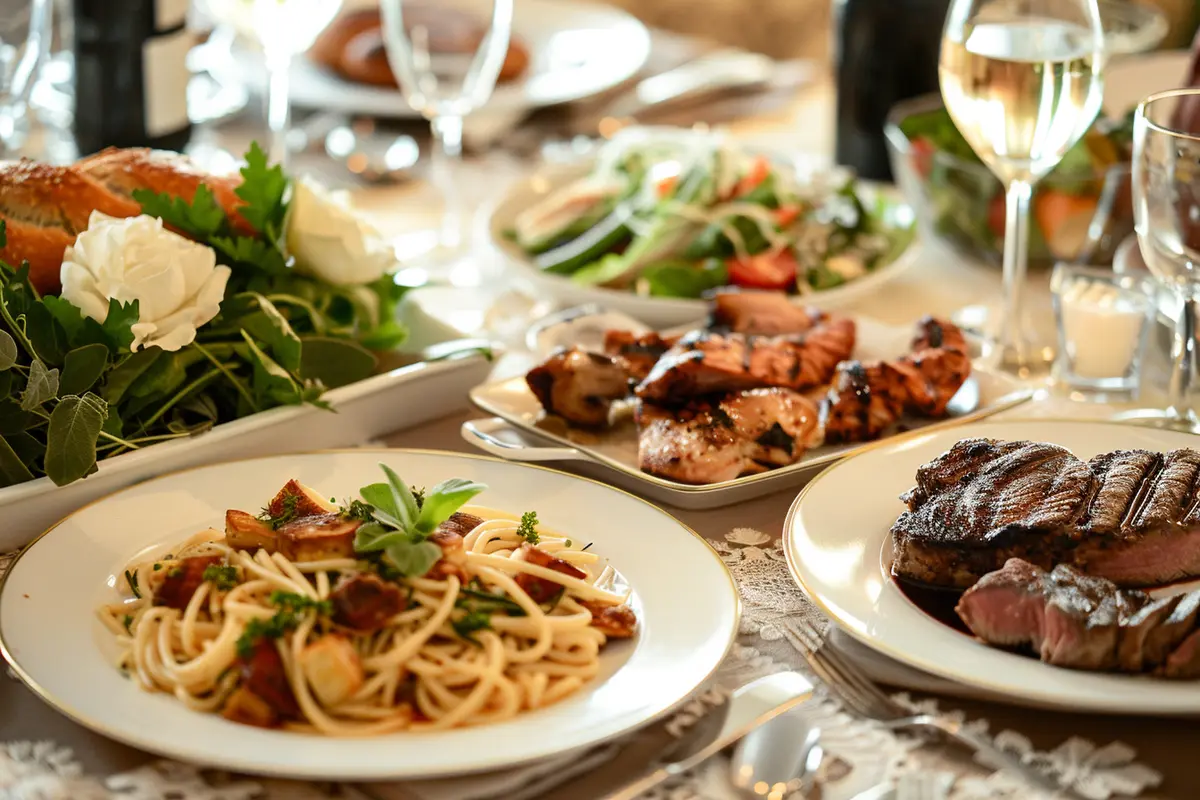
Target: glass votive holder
{"x": 1103, "y": 320}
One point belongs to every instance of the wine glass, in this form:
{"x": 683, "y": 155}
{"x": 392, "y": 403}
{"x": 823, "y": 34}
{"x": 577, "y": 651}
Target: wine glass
{"x": 446, "y": 58}
{"x": 284, "y": 29}
{"x": 1021, "y": 80}
{"x": 24, "y": 40}
{"x": 1166, "y": 213}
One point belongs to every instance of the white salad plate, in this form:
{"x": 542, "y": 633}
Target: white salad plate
{"x": 518, "y": 431}
{"x": 838, "y": 545}
{"x": 667, "y": 312}
{"x": 687, "y": 614}
{"x": 576, "y": 49}
{"x": 392, "y": 401}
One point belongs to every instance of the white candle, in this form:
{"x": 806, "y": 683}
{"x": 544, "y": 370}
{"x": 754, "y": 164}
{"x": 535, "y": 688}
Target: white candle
{"x": 1102, "y": 327}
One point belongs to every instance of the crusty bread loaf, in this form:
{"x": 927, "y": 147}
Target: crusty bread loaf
{"x": 44, "y": 207}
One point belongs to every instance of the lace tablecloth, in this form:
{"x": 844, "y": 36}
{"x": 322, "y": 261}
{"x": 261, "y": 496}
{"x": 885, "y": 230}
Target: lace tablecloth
{"x": 860, "y": 753}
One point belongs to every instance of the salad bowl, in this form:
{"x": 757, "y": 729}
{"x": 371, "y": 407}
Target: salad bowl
{"x": 659, "y": 217}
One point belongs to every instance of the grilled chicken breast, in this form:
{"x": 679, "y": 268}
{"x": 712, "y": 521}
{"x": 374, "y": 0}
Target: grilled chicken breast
{"x": 761, "y": 313}
{"x": 637, "y": 353}
{"x": 578, "y": 385}
{"x": 705, "y": 363}
{"x": 708, "y": 440}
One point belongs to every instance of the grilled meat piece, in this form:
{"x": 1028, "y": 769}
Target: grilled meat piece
{"x": 182, "y": 579}
{"x": 637, "y": 353}
{"x": 365, "y": 602}
{"x": 615, "y": 622}
{"x": 705, "y": 363}
{"x": 539, "y": 589}
{"x": 709, "y": 441}
{"x": 1073, "y": 620}
{"x": 1130, "y": 516}
{"x": 318, "y": 537}
{"x": 761, "y": 313}
{"x": 578, "y": 385}
{"x": 866, "y": 398}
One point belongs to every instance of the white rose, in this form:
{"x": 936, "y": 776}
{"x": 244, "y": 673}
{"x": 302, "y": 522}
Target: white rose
{"x": 176, "y": 281}
{"x": 331, "y": 241}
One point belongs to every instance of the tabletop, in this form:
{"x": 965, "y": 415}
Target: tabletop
{"x": 936, "y": 282}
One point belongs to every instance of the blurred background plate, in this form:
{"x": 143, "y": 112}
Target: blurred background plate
{"x": 577, "y": 49}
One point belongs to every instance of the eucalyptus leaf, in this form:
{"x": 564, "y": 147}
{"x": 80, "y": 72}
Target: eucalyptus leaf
{"x": 8, "y": 351}
{"x": 82, "y": 367}
{"x": 71, "y": 437}
{"x": 42, "y": 385}
{"x": 444, "y": 499}
{"x": 335, "y": 362}
{"x": 12, "y": 468}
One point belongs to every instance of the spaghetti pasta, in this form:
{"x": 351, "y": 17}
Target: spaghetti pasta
{"x": 369, "y": 618}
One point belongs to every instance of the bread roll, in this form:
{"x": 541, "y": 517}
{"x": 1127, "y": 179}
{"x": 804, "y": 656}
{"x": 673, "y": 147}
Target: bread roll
{"x": 44, "y": 208}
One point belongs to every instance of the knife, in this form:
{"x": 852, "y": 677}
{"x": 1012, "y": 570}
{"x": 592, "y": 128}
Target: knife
{"x": 747, "y": 708}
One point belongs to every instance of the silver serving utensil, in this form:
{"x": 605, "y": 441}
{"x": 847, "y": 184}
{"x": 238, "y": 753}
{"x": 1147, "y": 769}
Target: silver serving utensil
{"x": 749, "y": 707}
{"x": 779, "y": 757}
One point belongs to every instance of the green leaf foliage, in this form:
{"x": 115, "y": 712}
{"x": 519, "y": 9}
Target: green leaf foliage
{"x": 71, "y": 437}
{"x": 8, "y": 351}
{"x": 41, "y": 388}
{"x": 82, "y": 367}
{"x": 199, "y": 219}
{"x": 12, "y": 466}
{"x": 335, "y": 362}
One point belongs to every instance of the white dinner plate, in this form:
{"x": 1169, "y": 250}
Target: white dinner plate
{"x": 838, "y": 546}
{"x": 685, "y": 599}
{"x": 667, "y": 312}
{"x": 576, "y": 49}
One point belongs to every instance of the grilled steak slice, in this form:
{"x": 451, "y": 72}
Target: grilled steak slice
{"x": 760, "y": 313}
{"x": 705, "y": 363}
{"x": 1072, "y": 620}
{"x": 713, "y": 440}
{"x": 578, "y": 385}
{"x": 985, "y": 501}
{"x": 1130, "y": 516}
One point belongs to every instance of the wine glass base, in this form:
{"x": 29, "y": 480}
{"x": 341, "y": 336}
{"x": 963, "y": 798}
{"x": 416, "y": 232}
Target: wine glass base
{"x": 1028, "y": 363}
{"x": 1162, "y": 419}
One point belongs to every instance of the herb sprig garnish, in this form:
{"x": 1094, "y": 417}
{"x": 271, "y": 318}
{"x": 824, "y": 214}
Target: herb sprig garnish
{"x": 131, "y": 578}
{"x": 292, "y": 608}
{"x": 286, "y": 513}
{"x": 400, "y": 525}
{"x": 222, "y": 577}
{"x": 527, "y": 530}
{"x": 471, "y": 622}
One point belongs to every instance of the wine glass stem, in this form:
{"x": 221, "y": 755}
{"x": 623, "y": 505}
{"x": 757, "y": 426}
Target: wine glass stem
{"x": 1183, "y": 353}
{"x": 278, "y": 105}
{"x": 1011, "y": 341}
{"x": 447, "y": 156}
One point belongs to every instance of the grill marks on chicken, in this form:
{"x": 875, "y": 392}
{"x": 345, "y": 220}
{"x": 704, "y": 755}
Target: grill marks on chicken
{"x": 1130, "y": 516}
{"x": 714, "y": 440}
{"x": 637, "y": 353}
{"x": 1073, "y": 620}
{"x": 867, "y": 398}
{"x": 578, "y": 385}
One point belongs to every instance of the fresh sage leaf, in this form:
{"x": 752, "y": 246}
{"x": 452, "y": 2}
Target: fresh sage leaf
{"x": 383, "y": 501}
{"x": 71, "y": 437}
{"x": 335, "y": 362}
{"x": 12, "y": 468}
{"x": 403, "y": 497}
{"x": 8, "y": 351}
{"x": 443, "y": 500}
{"x": 82, "y": 367}
{"x": 413, "y": 559}
{"x": 41, "y": 386}
{"x": 367, "y": 535}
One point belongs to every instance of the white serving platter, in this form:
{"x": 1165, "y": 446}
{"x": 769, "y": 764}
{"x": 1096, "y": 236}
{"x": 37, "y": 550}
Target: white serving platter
{"x": 516, "y": 432}
{"x": 838, "y": 544}
{"x": 364, "y": 410}
{"x": 687, "y": 618}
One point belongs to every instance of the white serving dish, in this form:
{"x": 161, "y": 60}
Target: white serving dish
{"x": 687, "y": 618}
{"x": 514, "y": 433}
{"x": 367, "y": 409}
{"x": 665, "y": 312}
{"x": 839, "y": 549}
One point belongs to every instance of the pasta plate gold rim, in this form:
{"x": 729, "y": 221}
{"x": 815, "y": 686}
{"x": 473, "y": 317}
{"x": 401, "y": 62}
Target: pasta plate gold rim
{"x": 105, "y": 730}
{"x": 996, "y": 690}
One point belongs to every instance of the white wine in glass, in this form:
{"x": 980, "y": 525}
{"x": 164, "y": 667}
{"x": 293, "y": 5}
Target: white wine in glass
{"x": 1021, "y": 80}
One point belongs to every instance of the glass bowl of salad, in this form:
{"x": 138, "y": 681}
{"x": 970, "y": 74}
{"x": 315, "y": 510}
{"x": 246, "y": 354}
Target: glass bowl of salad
{"x": 661, "y": 217}
{"x": 961, "y": 203}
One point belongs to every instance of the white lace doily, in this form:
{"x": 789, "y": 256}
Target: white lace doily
{"x": 859, "y": 753}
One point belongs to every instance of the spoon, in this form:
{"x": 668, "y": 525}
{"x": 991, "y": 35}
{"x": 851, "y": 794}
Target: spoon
{"x": 779, "y": 757}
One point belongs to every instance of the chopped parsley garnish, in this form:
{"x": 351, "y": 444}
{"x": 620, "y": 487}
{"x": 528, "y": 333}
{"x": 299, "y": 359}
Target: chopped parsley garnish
{"x": 132, "y": 579}
{"x": 157, "y": 567}
{"x": 528, "y": 527}
{"x": 471, "y": 622}
{"x": 127, "y": 620}
{"x": 292, "y": 608}
{"x": 285, "y": 515}
{"x": 356, "y": 509}
{"x": 223, "y": 577}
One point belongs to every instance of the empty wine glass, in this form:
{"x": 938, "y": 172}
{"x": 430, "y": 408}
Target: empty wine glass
{"x": 284, "y": 29}
{"x": 24, "y": 39}
{"x": 1166, "y": 211}
{"x": 446, "y": 58}
{"x": 1021, "y": 80}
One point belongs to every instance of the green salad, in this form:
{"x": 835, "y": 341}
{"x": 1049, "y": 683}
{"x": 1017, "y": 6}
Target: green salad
{"x": 679, "y": 213}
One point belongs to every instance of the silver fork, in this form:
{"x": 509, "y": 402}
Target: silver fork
{"x": 862, "y": 697}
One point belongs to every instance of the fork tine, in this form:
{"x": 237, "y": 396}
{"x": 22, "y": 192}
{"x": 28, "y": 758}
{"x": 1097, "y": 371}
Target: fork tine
{"x": 852, "y": 678}
{"x": 802, "y": 640}
{"x": 861, "y": 702}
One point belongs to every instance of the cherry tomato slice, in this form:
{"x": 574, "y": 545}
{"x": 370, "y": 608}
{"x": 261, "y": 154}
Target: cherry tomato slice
{"x": 764, "y": 271}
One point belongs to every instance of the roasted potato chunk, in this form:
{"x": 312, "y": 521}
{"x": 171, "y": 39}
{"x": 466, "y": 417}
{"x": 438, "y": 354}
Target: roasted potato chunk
{"x": 317, "y": 538}
{"x": 307, "y": 503}
{"x": 247, "y": 532}
{"x": 246, "y": 707}
{"x": 332, "y": 669}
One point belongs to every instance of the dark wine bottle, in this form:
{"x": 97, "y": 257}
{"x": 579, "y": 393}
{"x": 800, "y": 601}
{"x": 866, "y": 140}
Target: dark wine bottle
{"x": 886, "y": 51}
{"x": 131, "y": 74}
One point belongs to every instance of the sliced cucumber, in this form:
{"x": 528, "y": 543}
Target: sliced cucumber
{"x": 599, "y": 239}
